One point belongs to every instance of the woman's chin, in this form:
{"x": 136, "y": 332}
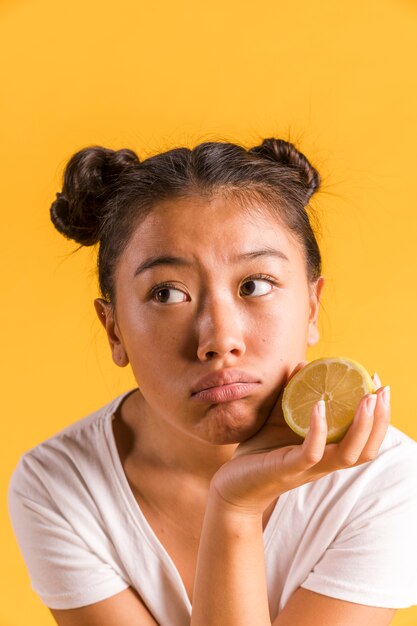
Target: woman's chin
{"x": 228, "y": 423}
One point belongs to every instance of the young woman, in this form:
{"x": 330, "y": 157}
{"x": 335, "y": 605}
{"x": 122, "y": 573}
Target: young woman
{"x": 187, "y": 500}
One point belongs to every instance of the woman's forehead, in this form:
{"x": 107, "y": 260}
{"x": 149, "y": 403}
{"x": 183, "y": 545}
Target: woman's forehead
{"x": 218, "y": 222}
{"x": 221, "y": 230}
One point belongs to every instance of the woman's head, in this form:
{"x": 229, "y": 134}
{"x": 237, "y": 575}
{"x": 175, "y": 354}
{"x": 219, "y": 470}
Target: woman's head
{"x": 208, "y": 265}
{"x": 107, "y": 193}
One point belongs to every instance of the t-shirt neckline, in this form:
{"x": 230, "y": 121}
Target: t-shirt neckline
{"x": 136, "y": 512}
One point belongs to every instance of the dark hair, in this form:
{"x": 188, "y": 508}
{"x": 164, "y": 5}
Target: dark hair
{"x": 106, "y": 193}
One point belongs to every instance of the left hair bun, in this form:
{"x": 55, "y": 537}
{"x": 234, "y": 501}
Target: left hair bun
{"x": 90, "y": 178}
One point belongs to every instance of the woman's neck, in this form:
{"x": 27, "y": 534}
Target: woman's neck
{"x": 145, "y": 440}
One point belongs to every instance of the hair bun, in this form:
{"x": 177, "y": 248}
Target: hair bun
{"x": 286, "y": 153}
{"x": 90, "y": 178}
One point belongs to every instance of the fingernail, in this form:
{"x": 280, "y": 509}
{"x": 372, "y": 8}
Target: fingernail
{"x": 322, "y": 408}
{"x": 377, "y": 381}
{"x": 370, "y": 402}
{"x": 386, "y": 394}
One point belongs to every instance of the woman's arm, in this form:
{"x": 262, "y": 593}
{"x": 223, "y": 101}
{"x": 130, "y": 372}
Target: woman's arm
{"x": 126, "y": 609}
{"x": 322, "y": 610}
{"x": 230, "y": 584}
{"x": 123, "y": 609}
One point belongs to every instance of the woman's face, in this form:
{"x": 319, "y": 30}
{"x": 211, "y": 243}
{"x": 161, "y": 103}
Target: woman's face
{"x": 207, "y": 288}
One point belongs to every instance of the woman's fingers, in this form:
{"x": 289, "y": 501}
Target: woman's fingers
{"x": 315, "y": 441}
{"x": 353, "y": 443}
{"x": 382, "y": 416}
{"x": 305, "y": 456}
{"x": 376, "y": 381}
{"x": 361, "y": 443}
{"x": 363, "y": 440}
{"x": 274, "y": 470}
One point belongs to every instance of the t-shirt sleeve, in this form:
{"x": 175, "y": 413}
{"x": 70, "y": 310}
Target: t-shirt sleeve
{"x": 66, "y": 569}
{"x": 373, "y": 558}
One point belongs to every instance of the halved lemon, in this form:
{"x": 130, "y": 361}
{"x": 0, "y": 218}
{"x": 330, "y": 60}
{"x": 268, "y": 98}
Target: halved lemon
{"x": 339, "y": 381}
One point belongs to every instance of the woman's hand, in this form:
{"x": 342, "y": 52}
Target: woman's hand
{"x": 276, "y": 460}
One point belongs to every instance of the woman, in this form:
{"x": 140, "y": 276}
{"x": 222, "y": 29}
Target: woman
{"x": 189, "y": 491}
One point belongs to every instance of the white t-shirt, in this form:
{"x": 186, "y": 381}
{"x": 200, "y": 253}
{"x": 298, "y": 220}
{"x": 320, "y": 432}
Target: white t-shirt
{"x": 351, "y": 534}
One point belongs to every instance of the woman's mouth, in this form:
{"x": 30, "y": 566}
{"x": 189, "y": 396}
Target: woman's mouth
{"x": 225, "y": 393}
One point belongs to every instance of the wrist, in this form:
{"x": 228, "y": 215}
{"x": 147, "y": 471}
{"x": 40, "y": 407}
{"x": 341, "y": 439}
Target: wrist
{"x": 251, "y": 515}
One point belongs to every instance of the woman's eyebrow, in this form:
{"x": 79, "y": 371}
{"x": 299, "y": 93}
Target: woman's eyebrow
{"x": 254, "y": 254}
{"x": 180, "y": 261}
{"x": 160, "y": 260}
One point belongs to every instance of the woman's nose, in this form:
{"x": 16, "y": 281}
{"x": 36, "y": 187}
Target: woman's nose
{"x": 220, "y": 331}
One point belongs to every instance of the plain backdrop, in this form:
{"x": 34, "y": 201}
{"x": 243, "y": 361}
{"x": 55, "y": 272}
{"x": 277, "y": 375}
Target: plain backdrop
{"x": 337, "y": 78}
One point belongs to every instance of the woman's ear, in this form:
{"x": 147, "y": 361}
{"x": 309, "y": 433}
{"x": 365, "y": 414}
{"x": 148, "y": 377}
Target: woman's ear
{"x": 313, "y": 334}
{"x": 106, "y": 315}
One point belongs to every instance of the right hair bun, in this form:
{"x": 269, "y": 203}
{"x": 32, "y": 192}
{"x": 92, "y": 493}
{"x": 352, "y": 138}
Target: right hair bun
{"x": 286, "y": 153}
{"x": 91, "y": 176}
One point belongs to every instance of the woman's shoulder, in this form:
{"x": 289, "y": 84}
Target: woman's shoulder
{"x": 395, "y": 462}
{"x": 389, "y": 477}
{"x": 395, "y": 437}
{"x": 398, "y": 450}
{"x": 68, "y": 452}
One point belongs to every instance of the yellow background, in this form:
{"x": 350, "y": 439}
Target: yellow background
{"x": 338, "y": 78}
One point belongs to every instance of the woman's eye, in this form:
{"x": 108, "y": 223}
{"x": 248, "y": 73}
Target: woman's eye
{"x": 256, "y": 287}
{"x": 168, "y": 295}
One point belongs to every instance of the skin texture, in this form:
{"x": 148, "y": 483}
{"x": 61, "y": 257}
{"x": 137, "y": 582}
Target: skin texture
{"x": 230, "y": 460}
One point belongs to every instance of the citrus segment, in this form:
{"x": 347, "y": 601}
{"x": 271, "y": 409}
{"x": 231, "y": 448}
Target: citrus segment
{"x": 339, "y": 381}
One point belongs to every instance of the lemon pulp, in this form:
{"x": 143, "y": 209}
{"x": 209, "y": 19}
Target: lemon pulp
{"x": 339, "y": 381}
